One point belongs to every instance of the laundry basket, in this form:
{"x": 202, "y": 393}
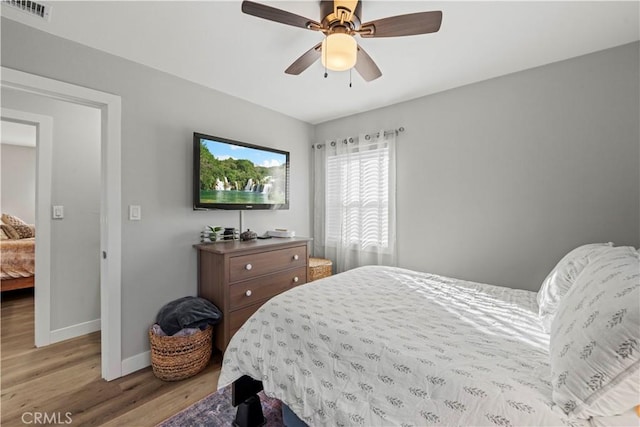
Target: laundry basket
{"x": 319, "y": 268}
{"x": 175, "y": 358}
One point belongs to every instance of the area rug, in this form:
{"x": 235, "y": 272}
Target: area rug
{"x": 216, "y": 410}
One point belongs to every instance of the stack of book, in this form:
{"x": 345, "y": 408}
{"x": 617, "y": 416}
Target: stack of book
{"x": 281, "y": 232}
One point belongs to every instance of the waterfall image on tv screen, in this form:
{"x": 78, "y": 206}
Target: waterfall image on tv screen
{"x": 241, "y": 175}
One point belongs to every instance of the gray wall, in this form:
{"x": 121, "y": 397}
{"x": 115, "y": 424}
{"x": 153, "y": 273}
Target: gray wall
{"x": 159, "y": 115}
{"x": 19, "y": 181}
{"x": 498, "y": 180}
{"x": 75, "y": 184}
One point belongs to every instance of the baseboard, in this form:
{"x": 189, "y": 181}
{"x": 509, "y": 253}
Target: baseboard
{"x": 74, "y": 331}
{"x": 135, "y": 363}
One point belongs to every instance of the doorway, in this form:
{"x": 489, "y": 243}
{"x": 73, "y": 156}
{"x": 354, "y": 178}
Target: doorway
{"x": 43, "y": 143}
{"x": 74, "y": 221}
{"x": 110, "y": 203}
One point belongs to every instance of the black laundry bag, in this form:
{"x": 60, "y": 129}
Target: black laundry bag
{"x": 187, "y": 312}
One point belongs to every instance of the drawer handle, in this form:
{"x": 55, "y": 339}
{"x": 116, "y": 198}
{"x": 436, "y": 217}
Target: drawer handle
{"x": 248, "y": 267}
{"x": 296, "y": 257}
{"x": 296, "y": 280}
{"x": 248, "y": 293}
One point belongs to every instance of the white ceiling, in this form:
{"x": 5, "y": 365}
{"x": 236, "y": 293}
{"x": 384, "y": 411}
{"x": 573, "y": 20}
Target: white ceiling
{"x": 17, "y": 134}
{"x": 213, "y": 43}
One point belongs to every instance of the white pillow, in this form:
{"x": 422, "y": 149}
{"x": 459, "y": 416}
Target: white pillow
{"x": 558, "y": 282}
{"x": 595, "y": 338}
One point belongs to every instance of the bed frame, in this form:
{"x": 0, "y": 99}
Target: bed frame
{"x": 244, "y": 395}
{"x": 17, "y": 283}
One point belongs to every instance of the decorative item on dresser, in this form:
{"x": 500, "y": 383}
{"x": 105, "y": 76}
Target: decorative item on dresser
{"x": 238, "y": 277}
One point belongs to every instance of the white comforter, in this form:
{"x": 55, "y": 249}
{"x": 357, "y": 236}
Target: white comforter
{"x": 388, "y": 346}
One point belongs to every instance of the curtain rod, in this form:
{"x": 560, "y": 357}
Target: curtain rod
{"x": 387, "y": 132}
{"x": 367, "y": 137}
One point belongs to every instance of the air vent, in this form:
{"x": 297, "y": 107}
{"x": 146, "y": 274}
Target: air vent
{"x": 33, "y": 8}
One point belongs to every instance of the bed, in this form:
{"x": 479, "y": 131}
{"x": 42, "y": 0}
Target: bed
{"x": 432, "y": 351}
{"x": 17, "y": 265}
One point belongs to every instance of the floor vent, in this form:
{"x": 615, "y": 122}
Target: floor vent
{"x": 33, "y": 8}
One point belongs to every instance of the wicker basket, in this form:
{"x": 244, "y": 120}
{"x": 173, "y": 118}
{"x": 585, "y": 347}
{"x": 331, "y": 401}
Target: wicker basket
{"x": 319, "y": 268}
{"x": 176, "y": 358}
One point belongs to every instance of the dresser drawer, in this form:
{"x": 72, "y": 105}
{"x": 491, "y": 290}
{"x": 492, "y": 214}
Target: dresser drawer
{"x": 238, "y": 317}
{"x": 247, "y": 266}
{"x": 250, "y": 291}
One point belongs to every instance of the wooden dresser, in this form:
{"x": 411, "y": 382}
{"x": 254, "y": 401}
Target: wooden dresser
{"x": 238, "y": 277}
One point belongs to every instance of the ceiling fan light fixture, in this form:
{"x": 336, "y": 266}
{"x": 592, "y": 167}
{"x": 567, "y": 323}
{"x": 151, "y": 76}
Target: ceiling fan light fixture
{"x": 339, "y": 52}
{"x": 340, "y": 22}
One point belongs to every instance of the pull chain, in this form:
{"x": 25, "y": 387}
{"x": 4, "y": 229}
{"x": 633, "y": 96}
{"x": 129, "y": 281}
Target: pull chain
{"x": 350, "y": 69}
{"x": 325, "y": 57}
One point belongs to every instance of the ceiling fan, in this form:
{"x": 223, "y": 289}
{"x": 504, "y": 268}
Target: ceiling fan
{"x": 340, "y": 22}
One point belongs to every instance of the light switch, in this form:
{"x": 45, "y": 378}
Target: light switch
{"x": 58, "y": 212}
{"x": 135, "y": 213}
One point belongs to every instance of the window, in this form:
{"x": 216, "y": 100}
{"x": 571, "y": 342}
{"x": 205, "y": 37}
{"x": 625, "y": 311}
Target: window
{"x": 357, "y": 198}
{"x": 354, "y": 218}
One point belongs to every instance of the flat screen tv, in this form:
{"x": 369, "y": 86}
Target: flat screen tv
{"x": 236, "y": 175}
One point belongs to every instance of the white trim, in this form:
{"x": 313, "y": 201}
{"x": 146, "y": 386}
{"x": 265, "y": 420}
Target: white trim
{"x": 75, "y": 331}
{"x": 111, "y": 241}
{"x": 44, "y": 150}
{"x": 110, "y": 212}
{"x": 135, "y": 363}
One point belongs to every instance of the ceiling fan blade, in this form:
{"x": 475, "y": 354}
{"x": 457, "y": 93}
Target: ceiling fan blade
{"x": 403, "y": 25}
{"x": 305, "y": 61}
{"x": 366, "y": 67}
{"x": 278, "y": 15}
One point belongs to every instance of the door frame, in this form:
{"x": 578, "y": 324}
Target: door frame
{"x": 42, "y": 290}
{"x": 110, "y": 201}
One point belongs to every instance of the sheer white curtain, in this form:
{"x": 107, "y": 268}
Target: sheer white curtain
{"x": 355, "y": 200}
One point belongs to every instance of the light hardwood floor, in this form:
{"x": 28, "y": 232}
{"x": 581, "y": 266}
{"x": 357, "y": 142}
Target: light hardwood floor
{"x": 65, "y": 377}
